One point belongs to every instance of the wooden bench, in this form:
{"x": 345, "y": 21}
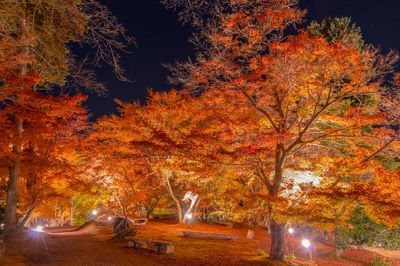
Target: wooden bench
{"x": 164, "y": 216}
{"x": 208, "y": 235}
{"x": 159, "y": 247}
{"x": 138, "y": 221}
{"x": 227, "y": 224}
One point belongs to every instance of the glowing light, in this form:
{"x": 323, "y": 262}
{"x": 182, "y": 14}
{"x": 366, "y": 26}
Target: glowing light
{"x": 306, "y": 243}
{"x": 39, "y": 228}
{"x": 188, "y": 215}
{"x": 94, "y": 212}
{"x": 109, "y": 218}
{"x": 290, "y": 230}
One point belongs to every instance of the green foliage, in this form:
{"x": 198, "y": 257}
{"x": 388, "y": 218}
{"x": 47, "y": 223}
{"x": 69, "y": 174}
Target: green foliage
{"x": 339, "y": 29}
{"x": 260, "y": 252}
{"x": 291, "y": 256}
{"x": 45, "y": 36}
{"x": 380, "y": 262}
{"x": 161, "y": 211}
{"x": 368, "y": 128}
{"x": 390, "y": 163}
{"x": 83, "y": 205}
{"x": 364, "y": 231}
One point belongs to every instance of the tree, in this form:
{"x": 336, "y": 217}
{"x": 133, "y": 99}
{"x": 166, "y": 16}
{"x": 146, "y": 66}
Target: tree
{"x": 39, "y": 42}
{"x": 52, "y": 130}
{"x": 301, "y": 87}
{"x": 160, "y": 141}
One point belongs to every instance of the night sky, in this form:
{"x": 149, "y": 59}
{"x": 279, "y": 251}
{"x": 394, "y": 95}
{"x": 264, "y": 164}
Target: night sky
{"x": 162, "y": 39}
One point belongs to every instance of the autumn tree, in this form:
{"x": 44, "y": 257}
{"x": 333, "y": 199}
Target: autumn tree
{"x": 299, "y": 86}
{"x": 164, "y": 140}
{"x": 52, "y": 129}
{"x": 39, "y": 44}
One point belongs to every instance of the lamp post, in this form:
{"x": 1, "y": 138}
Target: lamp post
{"x": 290, "y": 231}
{"x": 307, "y": 244}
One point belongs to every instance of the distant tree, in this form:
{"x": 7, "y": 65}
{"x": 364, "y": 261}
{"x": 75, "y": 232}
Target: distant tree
{"x": 339, "y": 29}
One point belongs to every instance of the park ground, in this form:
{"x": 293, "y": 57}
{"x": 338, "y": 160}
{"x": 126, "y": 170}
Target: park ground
{"x": 80, "y": 248}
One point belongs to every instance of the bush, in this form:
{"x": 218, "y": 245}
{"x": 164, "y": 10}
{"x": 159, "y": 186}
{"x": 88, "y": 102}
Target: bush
{"x": 364, "y": 231}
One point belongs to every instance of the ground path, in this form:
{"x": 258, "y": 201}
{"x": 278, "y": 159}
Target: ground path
{"x": 84, "y": 249}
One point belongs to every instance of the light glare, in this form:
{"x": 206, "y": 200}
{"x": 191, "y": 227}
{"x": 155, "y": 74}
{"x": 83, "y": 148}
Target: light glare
{"x": 94, "y": 212}
{"x": 291, "y": 231}
{"x": 306, "y": 243}
{"x": 39, "y": 228}
{"x": 188, "y": 215}
{"x": 109, "y": 218}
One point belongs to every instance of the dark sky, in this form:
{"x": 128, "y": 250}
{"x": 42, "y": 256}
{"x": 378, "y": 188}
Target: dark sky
{"x": 162, "y": 39}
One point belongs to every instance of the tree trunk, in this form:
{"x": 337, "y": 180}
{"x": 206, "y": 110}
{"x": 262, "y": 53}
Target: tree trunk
{"x": 72, "y": 210}
{"x": 151, "y": 208}
{"x": 338, "y": 242}
{"x": 177, "y": 201}
{"x": 27, "y": 215}
{"x": 277, "y": 251}
{"x": 12, "y": 196}
{"x": 10, "y": 218}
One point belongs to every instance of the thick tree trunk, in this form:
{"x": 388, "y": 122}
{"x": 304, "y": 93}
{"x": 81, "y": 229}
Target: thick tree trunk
{"x": 12, "y": 196}
{"x": 277, "y": 251}
{"x": 10, "y": 218}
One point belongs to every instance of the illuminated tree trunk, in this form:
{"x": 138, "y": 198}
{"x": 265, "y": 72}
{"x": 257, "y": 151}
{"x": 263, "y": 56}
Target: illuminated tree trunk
{"x": 178, "y": 203}
{"x": 12, "y": 189}
{"x": 27, "y": 215}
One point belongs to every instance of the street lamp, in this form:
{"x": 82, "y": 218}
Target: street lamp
{"x": 306, "y": 243}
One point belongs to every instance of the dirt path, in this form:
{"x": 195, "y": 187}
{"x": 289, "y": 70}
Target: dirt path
{"x": 41, "y": 249}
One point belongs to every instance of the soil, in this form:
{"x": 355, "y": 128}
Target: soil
{"x": 91, "y": 245}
